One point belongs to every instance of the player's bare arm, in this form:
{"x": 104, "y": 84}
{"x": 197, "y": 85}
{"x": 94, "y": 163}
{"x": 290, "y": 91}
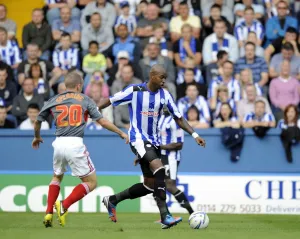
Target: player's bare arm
{"x": 104, "y": 103}
{"x": 37, "y": 137}
{"x": 182, "y": 123}
{"x": 111, "y": 127}
{"x": 172, "y": 146}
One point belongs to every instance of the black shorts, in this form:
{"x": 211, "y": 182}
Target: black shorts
{"x": 146, "y": 152}
{"x": 171, "y": 166}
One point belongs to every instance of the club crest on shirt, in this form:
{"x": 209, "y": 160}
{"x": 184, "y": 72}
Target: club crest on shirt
{"x": 162, "y": 101}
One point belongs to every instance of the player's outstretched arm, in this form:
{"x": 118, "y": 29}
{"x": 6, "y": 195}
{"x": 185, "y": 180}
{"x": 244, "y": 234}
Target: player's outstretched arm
{"x": 111, "y": 127}
{"x": 104, "y": 103}
{"x": 37, "y": 137}
{"x": 182, "y": 123}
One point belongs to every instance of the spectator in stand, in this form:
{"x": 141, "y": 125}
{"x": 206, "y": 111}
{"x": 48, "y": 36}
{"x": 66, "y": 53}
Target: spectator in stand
{"x": 246, "y": 105}
{"x": 249, "y": 24}
{"x": 160, "y": 39}
{"x": 131, "y": 5}
{"x": 226, "y": 79}
{"x": 246, "y": 78}
{"x": 284, "y": 90}
{"x": 195, "y": 119}
{"x": 10, "y": 73}
{"x": 8, "y": 90}
{"x": 215, "y": 69}
{"x": 277, "y": 25}
{"x": 81, "y": 4}
{"x": 291, "y": 118}
{"x": 259, "y": 117}
{"x": 225, "y": 11}
{"x": 291, "y": 36}
{"x": 153, "y": 58}
{"x": 94, "y": 61}
{"x": 4, "y": 122}
{"x": 141, "y": 9}
{"x": 190, "y": 65}
{"x": 126, "y": 18}
{"x": 145, "y": 25}
{"x": 184, "y": 17}
{"x": 33, "y": 110}
{"x": 221, "y": 96}
{"x": 121, "y": 116}
{"x": 259, "y": 51}
{"x": 38, "y": 32}
{"x": 104, "y": 8}
{"x": 257, "y": 64}
{"x": 97, "y": 78}
{"x": 96, "y": 91}
{"x": 9, "y": 50}
{"x": 270, "y": 6}
{"x": 22, "y": 101}
{"x": 8, "y": 24}
{"x": 125, "y": 79}
{"x": 41, "y": 86}
{"x": 240, "y": 13}
{"x": 226, "y": 117}
{"x": 187, "y": 47}
{"x": 54, "y": 6}
{"x": 165, "y": 7}
{"x": 66, "y": 57}
{"x": 287, "y": 54}
{"x": 193, "y": 98}
{"x": 97, "y": 31}
{"x": 66, "y": 25}
{"x": 32, "y": 51}
{"x": 125, "y": 42}
{"x": 123, "y": 60}
{"x": 215, "y": 14}
{"x": 189, "y": 77}
{"x": 219, "y": 40}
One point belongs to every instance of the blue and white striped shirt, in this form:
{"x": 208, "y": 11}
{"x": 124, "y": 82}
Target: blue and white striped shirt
{"x": 201, "y": 104}
{"x": 233, "y": 86}
{"x": 241, "y": 31}
{"x": 10, "y": 53}
{"x": 145, "y": 109}
{"x": 265, "y": 118}
{"x": 56, "y": 1}
{"x": 65, "y": 59}
{"x": 129, "y": 21}
{"x": 283, "y": 125}
{"x": 170, "y": 133}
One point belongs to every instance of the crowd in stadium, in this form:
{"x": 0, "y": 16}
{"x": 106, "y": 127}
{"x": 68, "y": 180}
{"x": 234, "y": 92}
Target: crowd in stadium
{"x": 230, "y": 63}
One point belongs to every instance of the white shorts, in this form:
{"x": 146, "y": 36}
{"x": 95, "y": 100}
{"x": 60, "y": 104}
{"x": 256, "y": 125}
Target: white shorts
{"x": 71, "y": 151}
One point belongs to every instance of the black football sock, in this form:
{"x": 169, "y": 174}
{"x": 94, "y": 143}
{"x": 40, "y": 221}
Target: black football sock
{"x": 160, "y": 192}
{"x": 135, "y": 191}
{"x": 182, "y": 200}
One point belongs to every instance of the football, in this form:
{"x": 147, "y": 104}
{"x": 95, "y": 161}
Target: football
{"x": 198, "y": 220}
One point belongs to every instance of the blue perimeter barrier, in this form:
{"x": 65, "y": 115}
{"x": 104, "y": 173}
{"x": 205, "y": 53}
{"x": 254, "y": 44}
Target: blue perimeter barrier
{"x": 112, "y": 156}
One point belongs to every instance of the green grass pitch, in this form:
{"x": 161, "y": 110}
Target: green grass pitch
{"x": 142, "y": 226}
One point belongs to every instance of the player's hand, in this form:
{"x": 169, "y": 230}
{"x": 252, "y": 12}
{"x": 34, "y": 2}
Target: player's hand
{"x": 136, "y": 162}
{"x": 125, "y": 136}
{"x": 36, "y": 142}
{"x": 200, "y": 141}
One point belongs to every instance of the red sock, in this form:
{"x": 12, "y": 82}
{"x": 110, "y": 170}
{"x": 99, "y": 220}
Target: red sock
{"x": 53, "y": 193}
{"x": 78, "y": 193}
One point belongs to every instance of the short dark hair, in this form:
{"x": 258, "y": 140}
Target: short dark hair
{"x": 220, "y": 21}
{"x": 3, "y": 69}
{"x": 291, "y": 30}
{"x": 216, "y": 6}
{"x": 228, "y": 61}
{"x": 34, "y": 106}
{"x": 2, "y": 107}
{"x": 93, "y": 43}
{"x": 3, "y": 29}
{"x": 189, "y": 69}
{"x": 288, "y": 46}
{"x": 183, "y": 3}
{"x": 248, "y": 8}
{"x": 122, "y": 25}
{"x": 192, "y": 84}
{"x": 96, "y": 13}
{"x": 250, "y": 43}
{"x": 221, "y": 54}
{"x": 66, "y": 34}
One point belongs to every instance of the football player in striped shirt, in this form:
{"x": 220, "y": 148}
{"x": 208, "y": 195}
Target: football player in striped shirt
{"x": 145, "y": 103}
{"x": 171, "y": 139}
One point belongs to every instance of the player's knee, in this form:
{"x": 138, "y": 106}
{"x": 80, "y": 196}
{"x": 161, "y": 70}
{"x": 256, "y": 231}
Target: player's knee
{"x": 149, "y": 183}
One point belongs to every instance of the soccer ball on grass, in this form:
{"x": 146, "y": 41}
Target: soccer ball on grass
{"x": 198, "y": 220}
